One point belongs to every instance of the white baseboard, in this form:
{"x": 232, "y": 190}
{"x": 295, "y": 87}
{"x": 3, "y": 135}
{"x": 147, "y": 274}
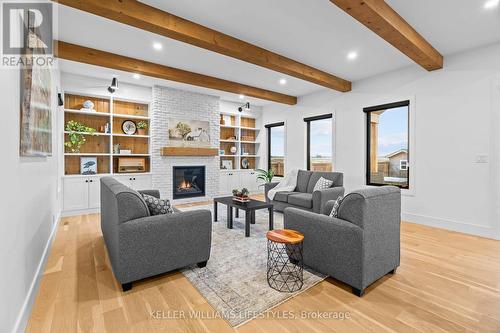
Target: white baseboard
{"x": 80, "y": 212}
{"x": 467, "y": 228}
{"x": 24, "y": 314}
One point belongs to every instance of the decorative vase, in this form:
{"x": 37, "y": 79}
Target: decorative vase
{"x": 88, "y": 106}
{"x": 142, "y": 131}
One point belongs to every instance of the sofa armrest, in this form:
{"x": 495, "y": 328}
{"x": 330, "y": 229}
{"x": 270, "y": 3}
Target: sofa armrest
{"x": 154, "y": 193}
{"x": 331, "y": 246}
{"x": 163, "y": 242}
{"x": 321, "y": 197}
{"x": 269, "y": 186}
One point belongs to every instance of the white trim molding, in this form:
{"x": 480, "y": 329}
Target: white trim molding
{"x": 441, "y": 223}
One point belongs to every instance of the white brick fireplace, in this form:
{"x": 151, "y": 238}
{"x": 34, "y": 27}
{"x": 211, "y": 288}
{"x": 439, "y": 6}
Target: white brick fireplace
{"x": 173, "y": 103}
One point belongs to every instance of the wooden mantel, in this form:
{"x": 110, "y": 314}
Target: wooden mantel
{"x": 189, "y": 151}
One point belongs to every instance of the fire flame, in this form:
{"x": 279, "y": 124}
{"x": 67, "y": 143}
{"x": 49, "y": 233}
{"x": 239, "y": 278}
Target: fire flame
{"x": 185, "y": 184}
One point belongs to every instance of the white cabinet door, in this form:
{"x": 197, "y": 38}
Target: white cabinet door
{"x": 251, "y": 181}
{"x": 142, "y": 182}
{"x": 125, "y": 180}
{"x": 94, "y": 193}
{"x": 76, "y": 193}
{"x": 234, "y": 181}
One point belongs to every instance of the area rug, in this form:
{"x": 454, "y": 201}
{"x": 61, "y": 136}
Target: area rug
{"x": 234, "y": 281}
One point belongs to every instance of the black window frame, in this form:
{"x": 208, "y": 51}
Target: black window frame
{"x": 308, "y": 121}
{"x": 368, "y": 112}
{"x": 269, "y": 127}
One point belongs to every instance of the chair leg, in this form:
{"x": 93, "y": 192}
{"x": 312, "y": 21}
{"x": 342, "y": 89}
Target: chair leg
{"x": 358, "y": 292}
{"x": 393, "y": 271}
{"x": 202, "y": 264}
{"x": 126, "y": 286}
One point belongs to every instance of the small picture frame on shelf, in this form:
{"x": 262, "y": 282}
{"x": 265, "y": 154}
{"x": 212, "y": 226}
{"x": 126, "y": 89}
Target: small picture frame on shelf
{"x": 88, "y": 165}
{"x": 227, "y": 164}
{"x": 245, "y": 163}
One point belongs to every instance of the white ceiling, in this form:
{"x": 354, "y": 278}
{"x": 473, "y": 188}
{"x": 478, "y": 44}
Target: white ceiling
{"x": 314, "y": 32}
{"x": 451, "y": 26}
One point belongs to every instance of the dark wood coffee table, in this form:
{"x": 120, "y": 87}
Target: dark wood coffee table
{"x": 249, "y": 208}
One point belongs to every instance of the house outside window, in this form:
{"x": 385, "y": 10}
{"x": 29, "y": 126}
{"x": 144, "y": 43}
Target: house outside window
{"x": 388, "y": 145}
{"x": 403, "y": 165}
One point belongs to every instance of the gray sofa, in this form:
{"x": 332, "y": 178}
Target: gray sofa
{"x": 358, "y": 247}
{"x": 140, "y": 245}
{"x": 303, "y": 197}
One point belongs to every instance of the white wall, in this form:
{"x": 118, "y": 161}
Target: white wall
{"x": 29, "y": 209}
{"x": 97, "y": 86}
{"x": 457, "y": 119}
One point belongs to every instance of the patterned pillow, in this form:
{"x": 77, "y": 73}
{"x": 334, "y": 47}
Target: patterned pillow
{"x": 322, "y": 184}
{"x": 157, "y": 206}
{"x": 336, "y": 205}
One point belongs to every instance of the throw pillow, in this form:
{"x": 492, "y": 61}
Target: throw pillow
{"x": 336, "y": 205}
{"x": 322, "y": 184}
{"x": 157, "y": 206}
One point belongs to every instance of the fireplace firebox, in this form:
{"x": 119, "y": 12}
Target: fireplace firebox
{"x": 189, "y": 182}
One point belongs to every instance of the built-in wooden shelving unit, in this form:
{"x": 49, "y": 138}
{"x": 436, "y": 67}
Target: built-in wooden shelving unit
{"x": 240, "y": 132}
{"x": 111, "y": 111}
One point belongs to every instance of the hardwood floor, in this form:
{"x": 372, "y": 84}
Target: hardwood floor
{"x": 447, "y": 282}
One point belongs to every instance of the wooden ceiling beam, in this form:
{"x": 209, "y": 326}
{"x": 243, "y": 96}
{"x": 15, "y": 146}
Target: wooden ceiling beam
{"x": 379, "y": 17}
{"x": 110, "y": 60}
{"x": 142, "y": 16}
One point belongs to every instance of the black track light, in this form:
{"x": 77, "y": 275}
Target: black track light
{"x": 114, "y": 85}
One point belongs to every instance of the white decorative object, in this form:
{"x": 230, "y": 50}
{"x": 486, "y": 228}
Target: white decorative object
{"x": 88, "y": 106}
{"x": 233, "y": 150}
{"x": 322, "y": 184}
{"x": 125, "y": 151}
{"x": 227, "y": 164}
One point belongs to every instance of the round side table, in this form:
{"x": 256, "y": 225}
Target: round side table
{"x": 284, "y": 260}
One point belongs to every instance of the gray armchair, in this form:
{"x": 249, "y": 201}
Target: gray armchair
{"x": 358, "y": 247}
{"x": 304, "y": 197}
{"x": 140, "y": 245}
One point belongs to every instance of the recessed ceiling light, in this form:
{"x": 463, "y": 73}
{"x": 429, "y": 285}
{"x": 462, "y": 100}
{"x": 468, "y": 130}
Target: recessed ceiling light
{"x": 242, "y": 96}
{"x": 137, "y": 76}
{"x": 282, "y": 81}
{"x": 352, "y": 55}
{"x": 490, "y": 4}
{"x": 157, "y": 46}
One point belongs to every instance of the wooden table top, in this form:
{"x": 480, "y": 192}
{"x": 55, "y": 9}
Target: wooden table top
{"x": 285, "y": 236}
{"x": 251, "y": 205}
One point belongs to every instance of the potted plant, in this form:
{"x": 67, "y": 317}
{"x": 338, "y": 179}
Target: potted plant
{"x": 76, "y": 135}
{"x": 266, "y": 176}
{"x": 241, "y": 196}
{"x": 142, "y": 128}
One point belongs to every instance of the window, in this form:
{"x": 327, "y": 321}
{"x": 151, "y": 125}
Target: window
{"x": 319, "y": 143}
{"x": 276, "y": 148}
{"x": 387, "y": 145}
